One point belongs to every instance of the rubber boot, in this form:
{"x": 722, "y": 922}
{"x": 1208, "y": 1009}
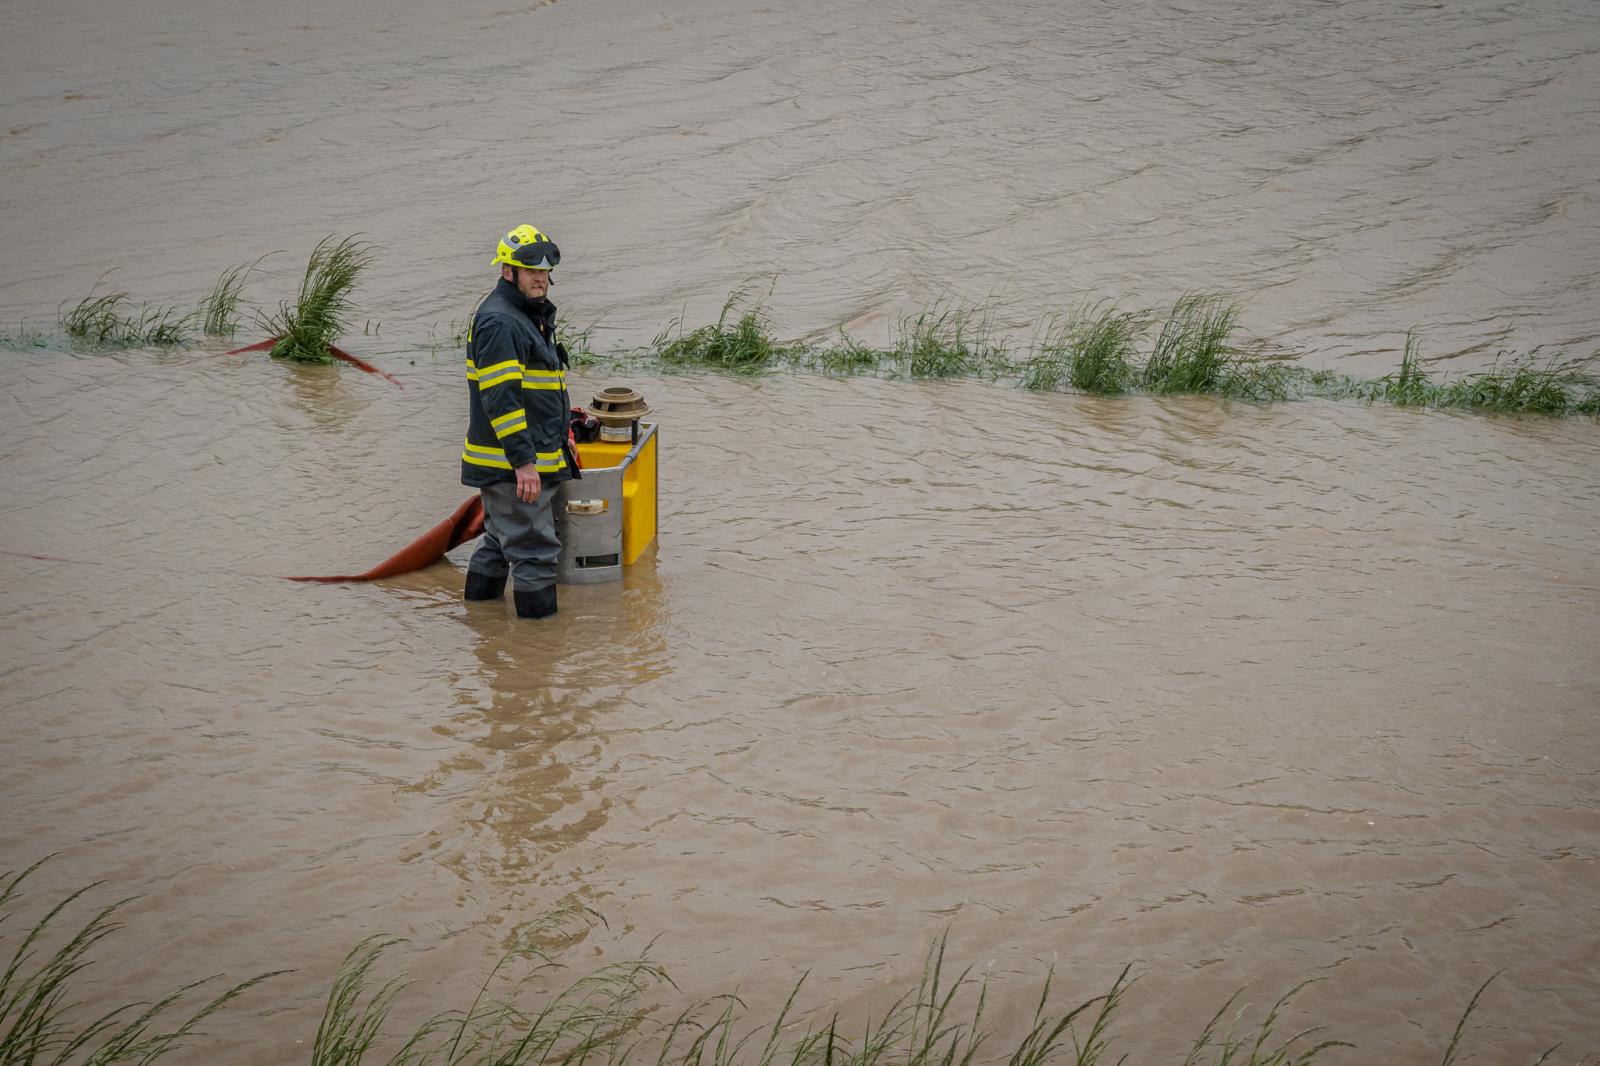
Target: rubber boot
{"x": 484, "y": 586}
{"x": 535, "y": 603}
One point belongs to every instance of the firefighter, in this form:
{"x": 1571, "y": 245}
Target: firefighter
{"x": 516, "y": 451}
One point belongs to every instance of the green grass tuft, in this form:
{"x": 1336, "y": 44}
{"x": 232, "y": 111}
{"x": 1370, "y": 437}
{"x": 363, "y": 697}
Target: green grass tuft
{"x": 845, "y": 356}
{"x": 740, "y": 340}
{"x": 1409, "y": 386}
{"x": 322, "y": 309}
{"x": 112, "y": 321}
{"x": 1555, "y": 387}
{"x": 352, "y": 1017}
{"x": 1091, "y": 349}
{"x": 948, "y": 340}
{"x": 219, "y": 309}
{"x": 1193, "y": 351}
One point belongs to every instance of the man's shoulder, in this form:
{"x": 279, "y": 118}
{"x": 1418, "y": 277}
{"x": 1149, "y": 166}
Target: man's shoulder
{"x": 502, "y": 320}
{"x": 493, "y": 306}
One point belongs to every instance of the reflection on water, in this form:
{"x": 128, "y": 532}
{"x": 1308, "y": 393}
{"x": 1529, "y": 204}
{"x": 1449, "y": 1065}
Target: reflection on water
{"x": 537, "y": 710}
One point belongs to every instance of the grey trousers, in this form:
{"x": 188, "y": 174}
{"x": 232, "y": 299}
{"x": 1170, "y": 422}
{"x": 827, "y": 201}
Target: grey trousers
{"x": 518, "y": 538}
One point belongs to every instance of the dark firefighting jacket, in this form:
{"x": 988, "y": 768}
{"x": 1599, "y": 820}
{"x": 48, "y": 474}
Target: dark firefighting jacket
{"x": 517, "y": 377}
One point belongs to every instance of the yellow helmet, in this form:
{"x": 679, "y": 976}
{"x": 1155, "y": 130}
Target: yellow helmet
{"x": 526, "y": 247}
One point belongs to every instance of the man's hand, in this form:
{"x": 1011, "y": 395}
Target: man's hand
{"x": 528, "y": 483}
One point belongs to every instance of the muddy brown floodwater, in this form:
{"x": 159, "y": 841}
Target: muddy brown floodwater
{"x": 1237, "y": 694}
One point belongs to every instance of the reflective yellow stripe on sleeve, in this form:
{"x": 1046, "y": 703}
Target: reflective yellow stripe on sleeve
{"x": 550, "y": 462}
{"x": 508, "y": 424}
{"x": 499, "y": 374}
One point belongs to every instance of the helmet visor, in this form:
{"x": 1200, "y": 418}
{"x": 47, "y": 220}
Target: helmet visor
{"x": 541, "y": 254}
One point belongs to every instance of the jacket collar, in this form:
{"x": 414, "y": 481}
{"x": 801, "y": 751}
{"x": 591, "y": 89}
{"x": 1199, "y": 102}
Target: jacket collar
{"x": 541, "y": 311}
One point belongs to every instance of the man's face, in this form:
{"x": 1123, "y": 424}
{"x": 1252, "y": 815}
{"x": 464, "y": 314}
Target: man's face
{"x": 534, "y": 284}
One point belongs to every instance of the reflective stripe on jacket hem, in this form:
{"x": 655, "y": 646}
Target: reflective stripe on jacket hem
{"x": 544, "y": 462}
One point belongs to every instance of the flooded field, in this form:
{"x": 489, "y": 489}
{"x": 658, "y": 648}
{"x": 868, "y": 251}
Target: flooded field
{"x": 1236, "y": 694}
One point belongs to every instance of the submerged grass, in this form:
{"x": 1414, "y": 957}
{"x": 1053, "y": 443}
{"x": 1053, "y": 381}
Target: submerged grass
{"x": 844, "y": 356}
{"x": 26, "y": 336}
{"x": 945, "y": 341}
{"x": 1557, "y": 387}
{"x": 322, "y": 309}
{"x": 1409, "y": 386}
{"x": 1513, "y": 385}
{"x": 740, "y": 341}
{"x": 1092, "y": 349}
{"x": 579, "y": 343}
{"x": 1195, "y": 352}
{"x": 607, "y": 1015}
{"x": 1095, "y": 348}
{"x": 112, "y": 321}
{"x": 219, "y": 308}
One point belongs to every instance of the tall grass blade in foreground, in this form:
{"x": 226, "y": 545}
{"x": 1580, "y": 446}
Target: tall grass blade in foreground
{"x": 352, "y": 1019}
{"x": 322, "y": 309}
{"x": 1256, "y": 1049}
{"x": 40, "y": 1024}
{"x": 603, "y": 1017}
{"x": 591, "y": 1017}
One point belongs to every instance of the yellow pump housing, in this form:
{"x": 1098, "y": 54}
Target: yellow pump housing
{"x": 607, "y": 518}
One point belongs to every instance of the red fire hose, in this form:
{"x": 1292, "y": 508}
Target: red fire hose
{"x": 463, "y": 525}
{"x": 460, "y": 527}
{"x": 338, "y": 353}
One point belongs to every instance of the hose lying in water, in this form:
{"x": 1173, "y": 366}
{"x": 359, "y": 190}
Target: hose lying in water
{"x": 337, "y": 353}
{"x": 463, "y": 525}
{"x": 460, "y": 527}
